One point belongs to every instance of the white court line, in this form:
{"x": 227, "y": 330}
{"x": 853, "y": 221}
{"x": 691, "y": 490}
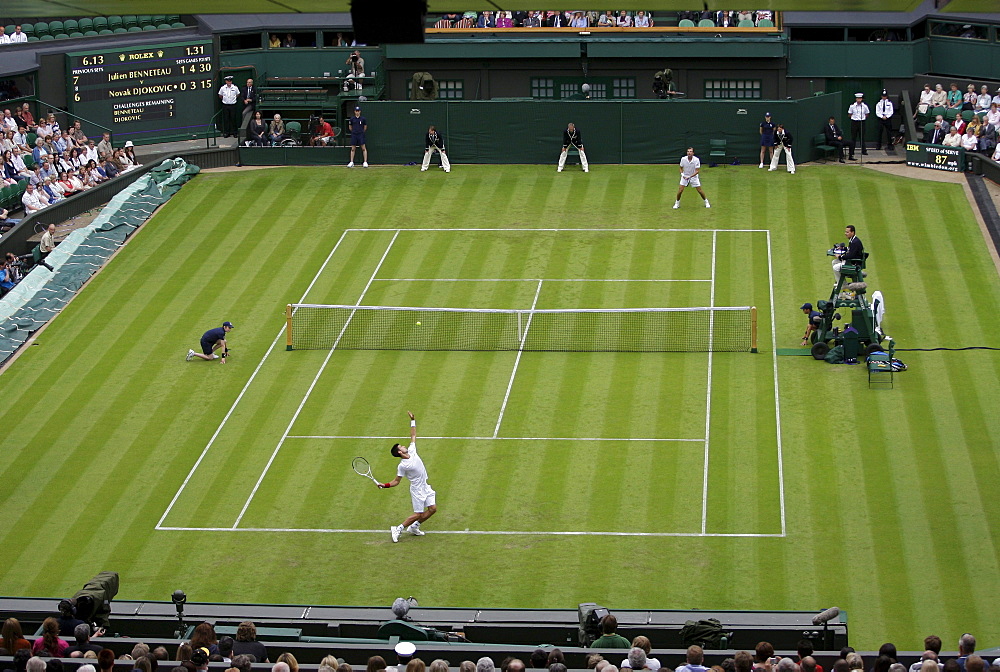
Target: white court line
{"x": 708, "y": 395}
{"x": 312, "y": 385}
{"x": 777, "y": 405}
{"x": 524, "y": 280}
{"x": 517, "y": 360}
{"x": 568, "y": 533}
{"x": 232, "y": 408}
{"x": 487, "y": 438}
{"x": 594, "y": 230}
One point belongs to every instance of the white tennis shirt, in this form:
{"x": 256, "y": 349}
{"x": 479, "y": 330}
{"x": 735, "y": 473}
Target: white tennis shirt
{"x": 690, "y": 166}
{"x": 413, "y": 469}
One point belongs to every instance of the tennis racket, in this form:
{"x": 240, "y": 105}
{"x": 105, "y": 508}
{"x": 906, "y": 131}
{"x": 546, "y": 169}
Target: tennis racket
{"x": 362, "y": 468}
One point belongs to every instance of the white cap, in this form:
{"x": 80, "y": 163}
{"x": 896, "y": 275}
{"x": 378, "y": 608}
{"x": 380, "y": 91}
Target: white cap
{"x": 129, "y": 144}
{"x": 406, "y": 649}
{"x": 859, "y": 95}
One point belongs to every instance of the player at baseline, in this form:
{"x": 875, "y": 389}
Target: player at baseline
{"x": 690, "y": 167}
{"x": 421, "y": 493}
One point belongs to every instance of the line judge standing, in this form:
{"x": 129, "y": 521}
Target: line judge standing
{"x": 858, "y": 112}
{"x": 884, "y": 110}
{"x": 433, "y": 142}
{"x": 571, "y": 136}
{"x": 229, "y": 94}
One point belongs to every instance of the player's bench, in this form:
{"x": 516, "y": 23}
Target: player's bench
{"x": 819, "y": 142}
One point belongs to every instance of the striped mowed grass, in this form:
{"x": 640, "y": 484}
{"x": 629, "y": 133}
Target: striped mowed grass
{"x": 887, "y": 494}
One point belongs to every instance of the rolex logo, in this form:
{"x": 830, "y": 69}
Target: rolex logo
{"x": 159, "y": 53}
{"x": 121, "y": 57}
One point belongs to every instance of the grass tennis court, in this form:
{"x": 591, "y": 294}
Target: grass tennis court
{"x": 722, "y": 480}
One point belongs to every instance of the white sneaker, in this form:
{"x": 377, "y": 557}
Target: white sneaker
{"x": 559, "y": 169}
{"x": 771, "y": 170}
{"x": 707, "y": 204}
{"x": 395, "y": 531}
{"x": 215, "y": 356}
{"x": 447, "y": 170}
{"x": 190, "y": 355}
{"x": 365, "y": 164}
{"x": 586, "y": 170}
{"x": 761, "y": 165}
{"x": 791, "y": 172}
{"x": 415, "y": 530}
{"x": 350, "y": 165}
{"x": 422, "y": 169}
{"x": 677, "y": 204}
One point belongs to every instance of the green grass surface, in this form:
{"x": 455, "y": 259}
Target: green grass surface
{"x": 889, "y": 500}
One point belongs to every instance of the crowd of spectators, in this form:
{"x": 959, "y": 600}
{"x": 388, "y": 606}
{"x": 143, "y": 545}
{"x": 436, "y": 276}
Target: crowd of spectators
{"x": 56, "y": 163}
{"x": 970, "y": 120}
{"x": 596, "y": 19}
{"x": 242, "y": 652}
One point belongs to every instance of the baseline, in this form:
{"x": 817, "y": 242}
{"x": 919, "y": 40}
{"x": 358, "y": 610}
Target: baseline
{"x": 566, "y": 533}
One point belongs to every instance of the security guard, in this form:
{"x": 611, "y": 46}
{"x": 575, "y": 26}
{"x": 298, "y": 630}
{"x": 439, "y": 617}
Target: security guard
{"x": 859, "y": 112}
{"x": 230, "y": 114}
{"x": 884, "y": 110}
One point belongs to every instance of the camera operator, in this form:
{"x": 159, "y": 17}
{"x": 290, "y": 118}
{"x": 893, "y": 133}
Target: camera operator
{"x": 356, "y": 67}
{"x": 659, "y": 86}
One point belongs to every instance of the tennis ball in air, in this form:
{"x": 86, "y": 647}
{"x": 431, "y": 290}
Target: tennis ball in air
{"x": 418, "y": 324}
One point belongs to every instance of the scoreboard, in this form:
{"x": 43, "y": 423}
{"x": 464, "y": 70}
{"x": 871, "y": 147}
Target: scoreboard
{"x": 145, "y": 93}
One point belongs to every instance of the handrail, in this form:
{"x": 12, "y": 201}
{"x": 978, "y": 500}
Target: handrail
{"x": 212, "y": 132}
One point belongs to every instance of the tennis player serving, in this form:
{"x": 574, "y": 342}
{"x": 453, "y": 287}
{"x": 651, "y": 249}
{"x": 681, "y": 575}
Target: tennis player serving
{"x": 421, "y": 493}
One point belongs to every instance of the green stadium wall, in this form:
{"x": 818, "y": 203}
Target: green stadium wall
{"x": 614, "y": 132}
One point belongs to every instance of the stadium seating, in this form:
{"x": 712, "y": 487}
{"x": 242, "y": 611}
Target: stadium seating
{"x": 71, "y": 26}
{"x": 111, "y": 22}
{"x": 745, "y": 24}
{"x": 686, "y": 23}
{"x": 134, "y": 29}
{"x": 86, "y": 24}
{"x": 148, "y": 27}
{"x": 41, "y": 28}
{"x": 56, "y": 27}
{"x": 178, "y": 24}
{"x": 28, "y": 29}
{"x": 130, "y": 20}
{"x": 765, "y": 23}
{"x": 706, "y": 23}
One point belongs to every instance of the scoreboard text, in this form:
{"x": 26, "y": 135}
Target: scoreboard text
{"x": 935, "y": 157}
{"x": 145, "y": 93}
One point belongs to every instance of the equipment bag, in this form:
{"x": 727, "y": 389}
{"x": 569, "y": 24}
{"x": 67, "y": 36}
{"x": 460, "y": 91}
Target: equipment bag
{"x": 706, "y": 633}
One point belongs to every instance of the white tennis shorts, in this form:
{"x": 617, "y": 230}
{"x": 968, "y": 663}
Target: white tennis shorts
{"x": 422, "y": 499}
{"x": 692, "y": 181}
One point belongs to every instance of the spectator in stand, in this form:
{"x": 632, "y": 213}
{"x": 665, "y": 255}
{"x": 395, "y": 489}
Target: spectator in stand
{"x": 504, "y": 20}
{"x": 743, "y": 662}
{"x": 62, "y": 144}
{"x": 9, "y": 122}
{"x": 485, "y": 664}
{"x": 966, "y": 643}
{"x": 274, "y": 41}
{"x": 11, "y": 175}
{"x": 277, "y": 132}
{"x": 636, "y": 659}
{"x": 53, "y": 124}
{"x": 90, "y": 152}
{"x": 246, "y": 642}
{"x": 695, "y": 660}
{"x": 539, "y": 659}
{"x": 984, "y": 100}
{"x": 6, "y": 224}
{"x": 35, "y": 664}
{"x": 954, "y": 97}
{"x": 129, "y": 153}
{"x": 110, "y": 168}
{"x": 609, "y": 638}
{"x": 46, "y": 171}
{"x": 323, "y": 134}
{"x": 12, "y": 637}
{"x": 987, "y": 138}
{"x": 486, "y": 20}
{"x": 78, "y": 135}
{"x": 375, "y": 664}
{"x": 104, "y": 147}
{"x": 289, "y": 660}
{"x": 969, "y": 98}
{"x": 18, "y": 161}
{"x": 27, "y": 117}
{"x": 18, "y": 37}
{"x": 578, "y": 21}
{"x": 996, "y": 98}
{"x": 6, "y": 278}
{"x": 204, "y": 637}
{"x": 257, "y": 130}
{"x": 80, "y": 185}
{"x": 68, "y": 188}
{"x": 39, "y": 153}
{"x": 4, "y": 37}
{"x": 607, "y": 20}
{"x": 624, "y": 20}
{"x": 289, "y": 41}
{"x": 763, "y": 15}
{"x": 243, "y": 662}
{"x": 646, "y": 646}
{"x": 7, "y": 140}
{"x": 926, "y": 100}
{"x": 928, "y": 656}
{"x": 49, "y": 644}
{"x": 642, "y": 20}
{"x": 959, "y": 125}
{"x": 534, "y": 20}
{"x": 940, "y": 97}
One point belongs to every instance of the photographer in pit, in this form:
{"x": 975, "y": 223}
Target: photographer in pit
{"x": 663, "y": 85}
{"x": 356, "y": 68}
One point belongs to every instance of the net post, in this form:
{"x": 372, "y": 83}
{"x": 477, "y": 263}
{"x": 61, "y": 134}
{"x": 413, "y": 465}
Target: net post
{"x": 288, "y": 327}
{"x": 753, "y": 328}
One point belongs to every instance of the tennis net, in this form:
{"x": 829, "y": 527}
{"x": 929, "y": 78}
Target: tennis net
{"x": 719, "y": 329}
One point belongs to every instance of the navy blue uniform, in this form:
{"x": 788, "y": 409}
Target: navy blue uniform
{"x": 357, "y": 126}
{"x": 210, "y": 338}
